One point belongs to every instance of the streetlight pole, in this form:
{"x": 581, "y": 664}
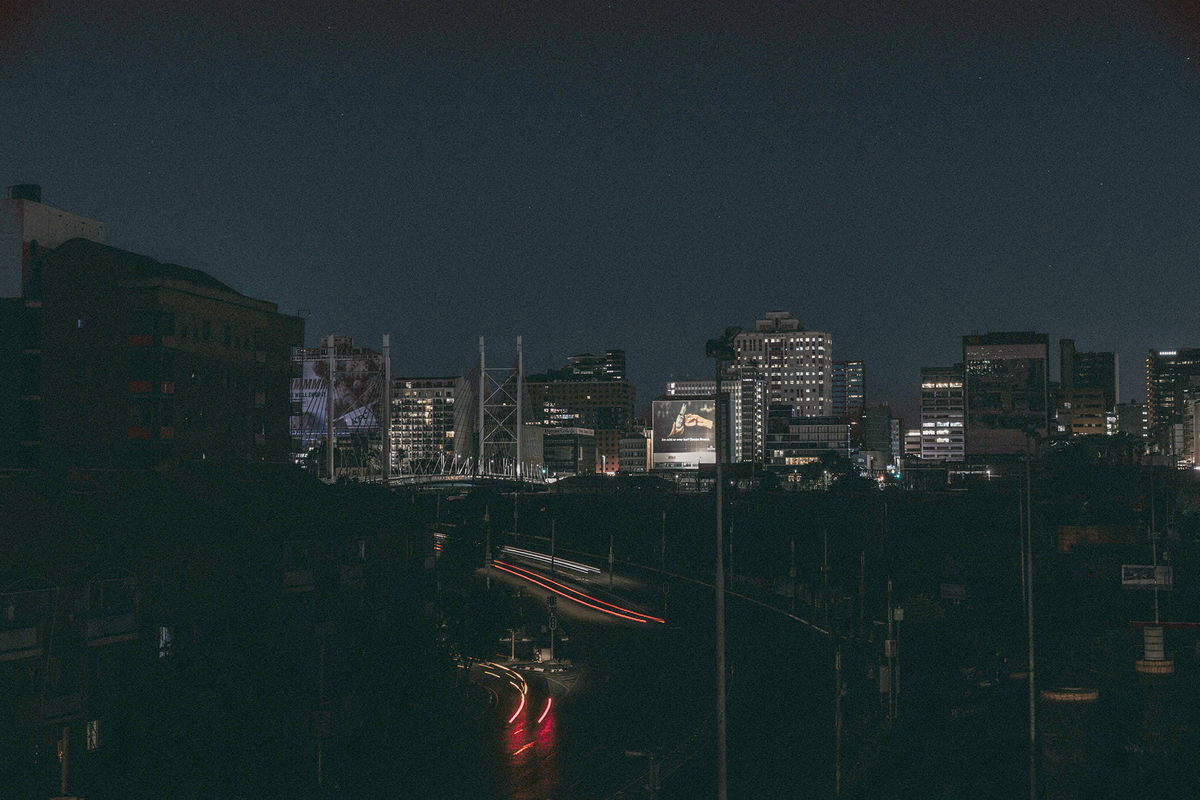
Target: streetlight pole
{"x": 1029, "y": 621}
{"x": 720, "y": 350}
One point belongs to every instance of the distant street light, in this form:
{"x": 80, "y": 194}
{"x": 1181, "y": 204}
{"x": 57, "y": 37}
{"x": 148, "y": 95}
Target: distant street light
{"x": 721, "y": 350}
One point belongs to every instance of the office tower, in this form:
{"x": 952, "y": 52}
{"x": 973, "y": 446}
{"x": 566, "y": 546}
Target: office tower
{"x": 796, "y": 364}
{"x": 1169, "y": 374}
{"x": 1080, "y": 370}
{"x": 607, "y": 367}
{"x": 1088, "y": 391}
{"x": 912, "y": 443}
{"x": 875, "y": 445}
{"x": 635, "y": 451}
{"x": 794, "y": 440}
{"x": 1007, "y": 391}
{"x": 1131, "y": 419}
{"x": 849, "y": 387}
{"x": 569, "y": 451}
{"x": 588, "y": 392}
{"x": 746, "y": 392}
{"x": 422, "y": 423}
{"x": 943, "y": 414}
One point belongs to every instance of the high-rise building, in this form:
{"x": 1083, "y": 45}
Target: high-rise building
{"x": 635, "y": 451}
{"x": 876, "y": 443}
{"x": 794, "y": 440}
{"x": 943, "y": 414}
{"x": 607, "y": 367}
{"x": 137, "y": 362}
{"x": 1131, "y": 419}
{"x": 912, "y": 443}
{"x": 422, "y": 423}
{"x": 569, "y": 451}
{"x": 849, "y": 388}
{"x": 1169, "y": 374}
{"x": 796, "y": 364}
{"x": 1084, "y": 408}
{"x": 747, "y": 408}
{"x": 1007, "y": 391}
{"x": 1079, "y": 370}
{"x": 582, "y": 395}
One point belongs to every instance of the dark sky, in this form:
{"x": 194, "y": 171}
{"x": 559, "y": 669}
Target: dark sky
{"x": 636, "y": 174}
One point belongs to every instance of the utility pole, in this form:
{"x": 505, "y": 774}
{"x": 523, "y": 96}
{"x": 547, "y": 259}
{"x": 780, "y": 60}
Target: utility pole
{"x": 610, "y": 562}
{"x": 825, "y": 575}
{"x": 721, "y": 350}
{"x": 889, "y": 651}
{"x": 482, "y": 403}
{"x": 552, "y": 546}
{"x": 1154, "y": 544}
{"x": 792, "y": 576}
{"x": 487, "y": 547}
{"x": 64, "y": 745}
{"x": 837, "y": 722}
{"x": 387, "y": 409}
{"x": 662, "y": 546}
{"x": 321, "y": 706}
{"x": 1029, "y": 623}
{"x": 662, "y": 559}
{"x": 730, "y": 565}
{"x": 519, "y": 432}
{"x": 862, "y": 591}
{"x": 330, "y": 364}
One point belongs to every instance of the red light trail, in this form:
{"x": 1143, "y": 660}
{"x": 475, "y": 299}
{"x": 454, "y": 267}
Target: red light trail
{"x": 576, "y": 595}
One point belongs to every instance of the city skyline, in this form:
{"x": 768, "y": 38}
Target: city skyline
{"x": 627, "y": 177}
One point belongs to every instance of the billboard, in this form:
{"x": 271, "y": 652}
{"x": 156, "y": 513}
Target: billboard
{"x": 1147, "y": 576}
{"x": 357, "y": 393}
{"x": 684, "y": 433}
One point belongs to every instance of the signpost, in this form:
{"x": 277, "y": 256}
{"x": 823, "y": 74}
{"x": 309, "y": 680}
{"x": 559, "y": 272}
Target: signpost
{"x": 1147, "y": 576}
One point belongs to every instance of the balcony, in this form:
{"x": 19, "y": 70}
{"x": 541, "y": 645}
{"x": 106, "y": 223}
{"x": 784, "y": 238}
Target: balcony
{"x": 104, "y": 629}
{"x": 18, "y": 643}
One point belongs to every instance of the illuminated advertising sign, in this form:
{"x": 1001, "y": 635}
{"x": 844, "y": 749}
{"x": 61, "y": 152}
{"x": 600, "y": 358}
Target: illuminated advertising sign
{"x": 684, "y": 433}
{"x": 357, "y": 393}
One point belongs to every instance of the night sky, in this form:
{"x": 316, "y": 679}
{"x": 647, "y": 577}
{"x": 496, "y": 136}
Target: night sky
{"x": 635, "y": 174}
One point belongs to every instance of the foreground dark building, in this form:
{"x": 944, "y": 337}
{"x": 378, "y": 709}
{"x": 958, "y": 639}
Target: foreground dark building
{"x": 129, "y": 361}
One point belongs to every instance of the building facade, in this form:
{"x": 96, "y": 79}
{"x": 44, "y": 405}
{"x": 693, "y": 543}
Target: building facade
{"x": 943, "y": 414}
{"x": 577, "y": 396}
{"x": 635, "y": 451}
{"x": 794, "y": 440}
{"x": 422, "y": 423}
{"x": 796, "y": 365}
{"x": 1170, "y": 374}
{"x": 1080, "y": 370}
{"x": 1007, "y": 391}
{"x": 141, "y": 361}
{"x": 569, "y": 451}
{"x": 849, "y": 388}
{"x": 746, "y": 395}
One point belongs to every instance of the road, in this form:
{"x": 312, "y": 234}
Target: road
{"x": 652, "y": 691}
